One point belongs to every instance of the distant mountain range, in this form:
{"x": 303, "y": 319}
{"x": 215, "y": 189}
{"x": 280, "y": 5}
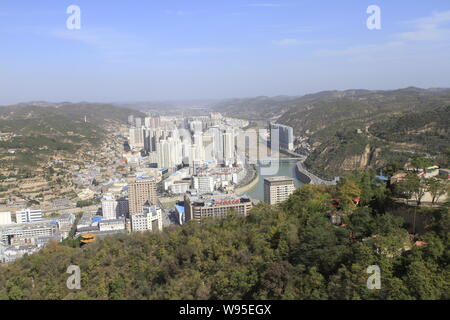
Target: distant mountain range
{"x": 358, "y": 129}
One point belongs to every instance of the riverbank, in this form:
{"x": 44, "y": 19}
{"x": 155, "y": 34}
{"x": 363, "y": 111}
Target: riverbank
{"x": 309, "y": 178}
{"x": 250, "y": 185}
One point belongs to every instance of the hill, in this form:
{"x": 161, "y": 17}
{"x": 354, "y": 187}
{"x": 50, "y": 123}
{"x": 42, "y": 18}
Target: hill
{"x": 286, "y": 252}
{"x": 38, "y": 130}
{"x": 359, "y": 129}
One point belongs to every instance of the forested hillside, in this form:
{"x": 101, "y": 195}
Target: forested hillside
{"x": 288, "y": 252}
{"x": 360, "y": 129}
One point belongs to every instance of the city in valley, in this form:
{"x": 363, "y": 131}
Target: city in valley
{"x": 224, "y": 150}
{"x": 154, "y": 172}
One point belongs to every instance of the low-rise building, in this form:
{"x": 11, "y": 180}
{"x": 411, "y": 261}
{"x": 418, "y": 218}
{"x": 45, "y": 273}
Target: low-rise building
{"x": 27, "y": 233}
{"x": 5, "y": 218}
{"x": 113, "y": 208}
{"x": 112, "y": 225}
{"x": 149, "y": 219}
{"x": 65, "y": 223}
{"x": 215, "y": 206}
{"x": 28, "y": 216}
{"x": 444, "y": 173}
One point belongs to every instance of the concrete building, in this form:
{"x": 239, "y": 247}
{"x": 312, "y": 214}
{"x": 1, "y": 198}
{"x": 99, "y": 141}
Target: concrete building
{"x": 203, "y": 184}
{"x": 217, "y": 134}
{"x": 5, "y": 218}
{"x": 140, "y": 192}
{"x": 149, "y": 219}
{"x": 111, "y": 225}
{"x": 180, "y": 187}
{"x": 169, "y": 153}
{"x": 286, "y": 136}
{"x": 136, "y": 138}
{"x": 27, "y": 233}
{"x": 218, "y": 206}
{"x": 28, "y": 215}
{"x": 278, "y": 189}
{"x": 152, "y": 122}
{"x": 65, "y": 223}
{"x": 196, "y": 126}
{"x": 229, "y": 147}
{"x": 114, "y": 208}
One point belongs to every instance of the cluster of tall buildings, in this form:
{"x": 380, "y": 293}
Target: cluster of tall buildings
{"x": 193, "y": 141}
{"x": 285, "y": 135}
{"x": 140, "y": 210}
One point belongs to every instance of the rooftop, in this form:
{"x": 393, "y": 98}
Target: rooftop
{"x": 277, "y": 179}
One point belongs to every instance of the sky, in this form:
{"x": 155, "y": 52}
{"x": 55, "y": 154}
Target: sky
{"x": 136, "y": 50}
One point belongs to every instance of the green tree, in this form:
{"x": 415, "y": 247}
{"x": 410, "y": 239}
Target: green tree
{"x": 437, "y": 188}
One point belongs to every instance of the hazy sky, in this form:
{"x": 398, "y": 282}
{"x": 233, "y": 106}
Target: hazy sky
{"x": 138, "y": 50}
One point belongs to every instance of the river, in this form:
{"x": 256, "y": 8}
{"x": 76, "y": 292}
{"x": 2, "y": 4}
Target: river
{"x": 286, "y": 168}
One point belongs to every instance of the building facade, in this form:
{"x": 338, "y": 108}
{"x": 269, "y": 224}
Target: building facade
{"x": 285, "y": 134}
{"x": 5, "y": 218}
{"x": 28, "y": 215}
{"x": 200, "y": 208}
{"x": 278, "y": 189}
{"x": 140, "y": 192}
{"x": 150, "y": 219}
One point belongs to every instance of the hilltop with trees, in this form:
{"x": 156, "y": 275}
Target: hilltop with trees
{"x": 290, "y": 251}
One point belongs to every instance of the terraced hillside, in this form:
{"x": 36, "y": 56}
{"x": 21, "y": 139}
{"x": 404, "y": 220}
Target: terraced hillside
{"x": 31, "y": 134}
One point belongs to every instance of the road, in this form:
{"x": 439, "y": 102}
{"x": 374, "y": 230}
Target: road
{"x": 313, "y": 179}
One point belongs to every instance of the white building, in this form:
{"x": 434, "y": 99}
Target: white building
{"x": 5, "y": 218}
{"x": 111, "y": 225}
{"x": 196, "y": 126}
{"x": 203, "y": 184}
{"x": 149, "y": 219}
{"x": 136, "y": 138}
{"x": 180, "y": 187}
{"x": 113, "y": 208}
{"x": 228, "y": 147}
{"x": 27, "y": 233}
{"x": 169, "y": 152}
{"x": 28, "y": 215}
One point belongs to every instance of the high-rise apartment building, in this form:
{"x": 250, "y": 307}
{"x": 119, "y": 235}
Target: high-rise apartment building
{"x": 136, "y": 138}
{"x": 278, "y": 189}
{"x": 152, "y": 122}
{"x": 140, "y": 192}
{"x": 228, "y": 147}
{"x": 217, "y": 135}
{"x": 285, "y": 134}
{"x": 114, "y": 208}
